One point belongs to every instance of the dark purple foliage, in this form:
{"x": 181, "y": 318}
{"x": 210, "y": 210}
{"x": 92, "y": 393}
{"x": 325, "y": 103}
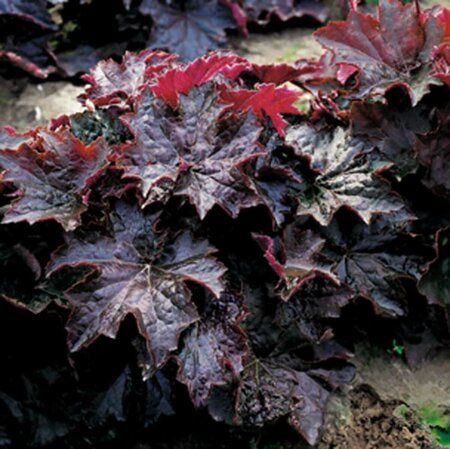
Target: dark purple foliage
{"x": 192, "y": 238}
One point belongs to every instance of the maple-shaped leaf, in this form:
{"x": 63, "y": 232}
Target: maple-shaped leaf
{"x": 11, "y": 139}
{"x": 261, "y": 11}
{"x": 188, "y": 28}
{"x": 433, "y": 150}
{"x": 33, "y": 56}
{"x": 313, "y": 305}
{"x": 277, "y": 185}
{"x": 296, "y": 258}
{"x": 53, "y": 177}
{"x": 441, "y": 66}
{"x": 435, "y": 283}
{"x": 390, "y": 49}
{"x": 275, "y": 73}
{"x": 214, "y": 348}
{"x": 392, "y": 131}
{"x": 195, "y": 149}
{"x": 138, "y": 273}
{"x": 344, "y": 176}
{"x": 266, "y": 100}
{"x": 111, "y": 82}
{"x": 181, "y": 79}
{"x": 35, "y": 12}
{"x": 270, "y": 390}
{"x": 371, "y": 260}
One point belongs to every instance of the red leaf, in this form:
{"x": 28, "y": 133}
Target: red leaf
{"x": 267, "y": 100}
{"x": 276, "y": 73}
{"x": 387, "y": 49}
{"x": 181, "y": 80}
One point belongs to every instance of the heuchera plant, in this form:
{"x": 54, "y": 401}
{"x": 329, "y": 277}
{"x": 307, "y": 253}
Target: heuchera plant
{"x": 192, "y": 233}
{"x": 45, "y": 37}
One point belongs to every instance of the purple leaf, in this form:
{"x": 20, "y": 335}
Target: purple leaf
{"x": 345, "y": 177}
{"x": 193, "y": 150}
{"x": 372, "y": 259}
{"x": 141, "y": 274}
{"x": 390, "y": 49}
{"x": 53, "y": 176}
{"x": 301, "y": 258}
{"x": 315, "y": 303}
{"x": 35, "y": 11}
{"x": 435, "y": 282}
{"x": 214, "y": 349}
{"x": 270, "y": 390}
{"x": 188, "y": 28}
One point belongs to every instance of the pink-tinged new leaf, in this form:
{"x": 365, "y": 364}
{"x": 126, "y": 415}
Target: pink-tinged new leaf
{"x": 53, "y": 177}
{"x": 266, "y": 100}
{"x": 276, "y": 73}
{"x": 180, "y": 80}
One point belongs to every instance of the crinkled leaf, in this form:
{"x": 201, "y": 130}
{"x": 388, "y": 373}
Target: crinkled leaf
{"x": 181, "y": 79}
{"x": 433, "y": 151}
{"x": 35, "y": 11}
{"x": 435, "y": 284}
{"x": 312, "y": 306}
{"x": 32, "y": 56}
{"x": 193, "y": 149}
{"x": 158, "y": 399}
{"x": 53, "y": 177}
{"x": 345, "y": 178}
{"x": 90, "y": 125}
{"x": 371, "y": 259}
{"x": 214, "y": 349}
{"x": 276, "y": 186}
{"x": 81, "y": 59}
{"x": 11, "y": 139}
{"x": 267, "y": 100}
{"x": 110, "y": 81}
{"x": 188, "y": 28}
{"x": 299, "y": 258}
{"x": 441, "y": 66}
{"x": 271, "y": 390}
{"x": 392, "y": 131}
{"x": 133, "y": 278}
{"x": 387, "y": 49}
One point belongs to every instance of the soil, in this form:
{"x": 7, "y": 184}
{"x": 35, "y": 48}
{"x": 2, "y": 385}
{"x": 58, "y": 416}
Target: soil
{"x": 365, "y": 415}
{"x": 374, "y": 424}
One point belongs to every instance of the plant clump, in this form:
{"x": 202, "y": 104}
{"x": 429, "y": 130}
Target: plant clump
{"x": 194, "y": 235}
